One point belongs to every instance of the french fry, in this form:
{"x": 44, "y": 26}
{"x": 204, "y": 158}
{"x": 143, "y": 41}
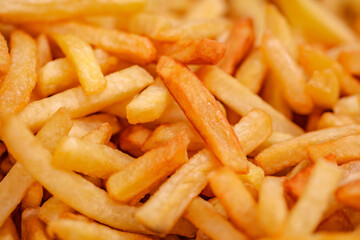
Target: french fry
{"x": 205, "y": 217}
{"x": 200, "y": 235}
{"x": 205, "y": 9}
{"x": 149, "y": 105}
{"x": 120, "y": 85}
{"x": 254, "y": 177}
{"x": 173, "y": 114}
{"x": 129, "y": 47}
{"x": 348, "y": 194}
{"x": 203, "y": 111}
{"x": 92, "y": 159}
{"x": 251, "y": 72}
{"x": 237, "y": 201}
{"x": 348, "y": 106}
{"x": 8, "y": 230}
{"x": 350, "y": 62}
{"x": 336, "y": 222}
{"x": 242, "y": 100}
{"x": 118, "y": 109}
{"x": 44, "y": 54}
{"x": 328, "y": 120}
{"x": 88, "y": 70}
{"x": 281, "y": 63}
{"x": 324, "y": 88}
{"x": 313, "y": 119}
{"x": 272, "y": 207}
{"x": 4, "y": 56}
{"x": 24, "y": 11}
{"x": 31, "y": 225}
{"x": 16, "y": 87}
{"x": 199, "y": 51}
{"x": 165, "y": 207}
{"x": 320, "y": 236}
{"x": 100, "y": 135}
{"x": 290, "y": 152}
{"x": 53, "y": 209}
{"x": 2, "y": 149}
{"x": 296, "y": 182}
{"x": 67, "y": 228}
{"x": 307, "y": 212}
{"x": 83, "y": 196}
{"x": 238, "y": 44}
{"x": 146, "y": 171}
{"x": 33, "y": 196}
{"x": 132, "y": 139}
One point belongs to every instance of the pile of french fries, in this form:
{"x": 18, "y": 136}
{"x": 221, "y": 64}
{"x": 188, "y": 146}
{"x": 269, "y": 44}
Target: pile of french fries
{"x": 181, "y": 119}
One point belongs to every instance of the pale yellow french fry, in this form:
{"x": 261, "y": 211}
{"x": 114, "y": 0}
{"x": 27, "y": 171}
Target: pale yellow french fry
{"x": 32, "y": 227}
{"x": 133, "y": 138}
{"x": 205, "y": 217}
{"x": 118, "y": 109}
{"x": 8, "y": 230}
{"x": 281, "y": 63}
{"x": 44, "y": 54}
{"x": 4, "y": 55}
{"x": 291, "y": 152}
{"x": 149, "y": 105}
{"x": 25, "y": 11}
{"x": 218, "y": 207}
{"x": 348, "y": 106}
{"x": 242, "y": 100}
{"x": 92, "y": 159}
{"x": 100, "y": 135}
{"x": 207, "y": 9}
{"x": 319, "y": 236}
{"x": 237, "y": 201}
{"x": 82, "y": 58}
{"x": 120, "y": 85}
{"x": 173, "y": 114}
{"x": 350, "y": 62}
{"x": 254, "y": 177}
{"x": 315, "y": 22}
{"x": 307, "y": 212}
{"x": 33, "y": 196}
{"x": 251, "y": 72}
{"x": 52, "y": 209}
{"x": 272, "y": 207}
{"x": 16, "y": 87}
{"x": 165, "y": 207}
{"x": 328, "y": 120}
{"x": 276, "y": 137}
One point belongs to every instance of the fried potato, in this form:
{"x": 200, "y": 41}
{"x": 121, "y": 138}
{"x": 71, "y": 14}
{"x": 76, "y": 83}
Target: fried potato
{"x": 350, "y": 62}
{"x": 206, "y": 9}
{"x": 16, "y": 87}
{"x": 33, "y": 196}
{"x": 4, "y": 56}
{"x": 44, "y": 54}
{"x": 31, "y": 226}
{"x": 8, "y": 230}
{"x": 348, "y": 194}
{"x": 296, "y": 182}
{"x": 118, "y": 109}
{"x": 53, "y": 209}
{"x": 348, "y": 106}
{"x": 133, "y": 138}
{"x": 202, "y": 109}
{"x": 328, "y": 120}
{"x": 100, "y": 135}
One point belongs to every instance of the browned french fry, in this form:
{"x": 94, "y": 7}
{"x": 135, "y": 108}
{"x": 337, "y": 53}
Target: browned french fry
{"x": 16, "y": 87}
{"x": 203, "y": 111}
{"x": 146, "y": 171}
{"x": 53, "y": 209}
{"x": 44, "y": 54}
{"x": 4, "y": 56}
{"x": 336, "y": 222}
{"x": 290, "y": 152}
{"x": 8, "y": 230}
{"x": 328, "y": 120}
{"x": 132, "y": 139}
{"x": 283, "y": 66}
{"x": 239, "y": 43}
{"x": 120, "y": 85}
{"x": 32, "y": 227}
{"x": 295, "y": 185}
{"x": 237, "y": 201}
{"x": 33, "y": 196}
{"x": 242, "y": 100}
{"x": 200, "y": 51}
{"x": 349, "y": 194}
{"x": 100, "y": 135}
{"x": 313, "y": 119}
{"x": 166, "y": 206}
{"x": 205, "y": 217}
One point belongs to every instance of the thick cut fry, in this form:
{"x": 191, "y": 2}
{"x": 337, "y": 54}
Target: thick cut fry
{"x": 82, "y": 58}
{"x": 307, "y": 212}
{"x": 8, "y": 231}
{"x": 203, "y": 111}
{"x": 165, "y": 207}
{"x": 34, "y": 11}
{"x": 289, "y": 153}
{"x": 89, "y": 158}
{"x": 120, "y": 85}
{"x": 237, "y": 201}
{"x": 239, "y": 43}
{"x": 74, "y": 229}
{"x": 4, "y": 56}
{"x": 251, "y": 72}
{"x": 283, "y": 66}
{"x": 324, "y": 88}
{"x": 328, "y": 120}
{"x": 242, "y": 100}
{"x": 33, "y": 196}
{"x": 272, "y": 208}
{"x": 149, "y": 105}
{"x": 44, "y": 54}
{"x": 315, "y": 22}
{"x": 118, "y": 109}
{"x": 82, "y": 196}
{"x": 206, "y": 9}
{"x": 53, "y": 209}
{"x": 200, "y": 51}
{"x": 295, "y": 185}
{"x": 253, "y": 129}
{"x": 100, "y": 135}
{"x": 31, "y": 226}
{"x": 205, "y": 217}
{"x": 129, "y": 47}
{"x": 350, "y": 62}
{"x": 146, "y": 171}
{"x": 132, "y": 139}
{"x": 349, "y": 194}
{"x": 348, "y": 106}
{"x": 16, "y": 88}
{"x": 344, "y": 149}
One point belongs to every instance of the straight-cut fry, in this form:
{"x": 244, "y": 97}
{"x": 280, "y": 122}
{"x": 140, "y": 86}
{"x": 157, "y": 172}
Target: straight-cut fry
{"x": 4, "y": 56}
{"x": 203, "y": 111}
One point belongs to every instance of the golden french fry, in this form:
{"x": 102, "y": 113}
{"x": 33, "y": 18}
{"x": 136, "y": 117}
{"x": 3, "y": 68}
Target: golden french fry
{"x": 297, "y": 181}
{"x": 132, "y": 139}
{"x": 92, "y": 159}
{"x": 31, "y": 226}
{"x": 328, "y": 120}
{"x": 16, "y": 87}
{"x": 348, "y": 106}
{"x": 25, "y": 11}
{"x": 4, "y": 56}
{"x": 173, "y": 114}
{"x": 319, "y": 236}
{"x": 120, "y": 85}
{"x": 100, "y": 135}
{"x": 205, "y": 9}
{"x": 147, "y": 170}
{"x": 203, "y": 111}
{"x": 242, "y": 100}
{"x": 238, "y": 44}
{"x": 149, "y": 105}
{"x": 53, "y": 209}
{"x": 118, "y": 109}
{"x": 313, "y": 119}
{"x": 165, "y": 207}
{"x": 281, "y": 63}
{"x": 33, "y": 196}
{"x": 307, "y": 212}
{"x": 8, "y": 230}
{"x": 44, "y": 54}
{"x": 237, "y": 201}
{"x": 350, "y": 62}
{"x": 289, "y": 153}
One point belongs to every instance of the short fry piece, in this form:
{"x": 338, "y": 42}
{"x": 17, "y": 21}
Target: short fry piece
{"x": 31, "y": 226}
{"x": 350, "y": 62}
{"x": 82, "y": 58}
{"x": 52, "y": 209}
{"x": 4, "y": 56}
{"x": 132, "y": 139}
{"x": 33, "y": 196}
{"x": 203, "y": 111}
